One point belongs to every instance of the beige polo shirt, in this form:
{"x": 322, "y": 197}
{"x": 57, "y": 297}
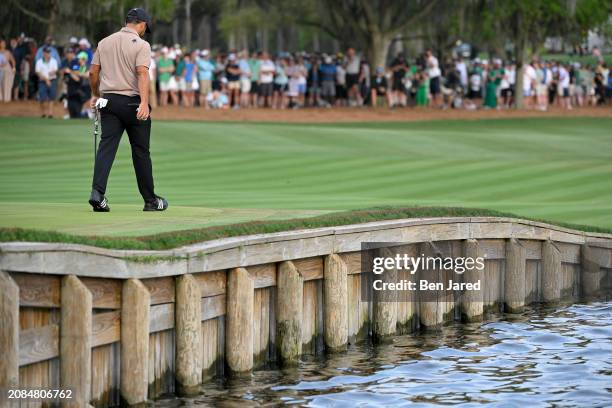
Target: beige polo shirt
{"x": 118, "y": 56}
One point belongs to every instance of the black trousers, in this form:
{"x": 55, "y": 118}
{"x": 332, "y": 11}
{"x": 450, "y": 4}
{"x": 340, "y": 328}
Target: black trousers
{"x": 118, "y": 115}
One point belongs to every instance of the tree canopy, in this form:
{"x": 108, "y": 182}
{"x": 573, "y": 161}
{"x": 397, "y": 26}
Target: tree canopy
{"x": 371, "y": 26}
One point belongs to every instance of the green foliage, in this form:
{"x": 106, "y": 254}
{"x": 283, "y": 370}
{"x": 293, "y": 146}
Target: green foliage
{"x": 527, "y": 23}
{"x": 243, "y": 19}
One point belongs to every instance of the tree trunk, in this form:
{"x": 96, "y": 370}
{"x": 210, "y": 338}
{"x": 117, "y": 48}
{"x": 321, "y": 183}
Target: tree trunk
{"x": 54, "y": 13}
{"x": 264, "y": 39}
{"x": 204, "y": 32}
{"x": 175, "y": 28}
{"x": 188, "y": 24}
{"x": 335, "y": 45}
{"x": 231, "y": 41}
{"x": 520, "y": 68}
{"x": 377, "y": 49}
{"x": 280, "y": 43}
{"x": 316, "y": 44}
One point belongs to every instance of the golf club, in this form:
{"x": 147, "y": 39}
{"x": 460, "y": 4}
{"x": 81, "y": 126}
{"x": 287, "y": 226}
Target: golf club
{"x": 96, "y": 130}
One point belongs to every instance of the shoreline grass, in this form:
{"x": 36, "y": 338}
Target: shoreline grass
{"x": 169, "y": 240}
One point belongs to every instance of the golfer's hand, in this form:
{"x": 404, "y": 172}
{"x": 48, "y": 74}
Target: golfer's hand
{"x": 143, "y": 112}
{"x": 92, "y": 104}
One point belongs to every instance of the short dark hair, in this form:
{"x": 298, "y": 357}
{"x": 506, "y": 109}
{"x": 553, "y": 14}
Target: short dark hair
{"x": 132, "y": 20}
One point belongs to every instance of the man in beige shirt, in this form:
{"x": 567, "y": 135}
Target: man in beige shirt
{"x": 119, "y": 78}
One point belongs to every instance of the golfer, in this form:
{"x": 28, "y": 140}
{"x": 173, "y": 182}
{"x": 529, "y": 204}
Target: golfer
{"x": 119, "y": 79}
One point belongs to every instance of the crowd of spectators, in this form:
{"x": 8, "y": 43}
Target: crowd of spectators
{"x": 241, "y": 79}
{"x": 47, "y": 73}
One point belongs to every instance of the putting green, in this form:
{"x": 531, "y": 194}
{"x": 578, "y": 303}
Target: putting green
{"x": 218, "y": 173}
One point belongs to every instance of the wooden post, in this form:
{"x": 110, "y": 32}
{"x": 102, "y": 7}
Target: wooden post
{"x": 289, "y": 308}
{"x": 472, "y": 301}
{"x": 551, "y": 272}
{"x": 590, "y": 276}
{"x": 239, "y": 315}
{"x": 188, "y": 332}
{"x": 335, "y": 282}
{"x": 75, "y": 341}
{"x": 431, "y": 309}
{"x": 385, "y": 302}
{"x": 135, "y": 307}
{"x": 9, "y": 336}
{"x": 514, "y": 281}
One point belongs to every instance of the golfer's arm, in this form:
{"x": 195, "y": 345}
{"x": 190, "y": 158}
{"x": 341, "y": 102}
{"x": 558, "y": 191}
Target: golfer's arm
{"x": 143, "y": 83}
{"x": 94, "y": 80}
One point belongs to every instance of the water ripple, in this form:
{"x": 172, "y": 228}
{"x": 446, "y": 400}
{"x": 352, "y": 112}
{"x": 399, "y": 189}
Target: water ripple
{"x": 543, "y": 358}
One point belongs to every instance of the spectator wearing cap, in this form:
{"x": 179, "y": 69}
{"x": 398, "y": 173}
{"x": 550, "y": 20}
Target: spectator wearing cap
{"x": 52, "y": 51}
{"x": 206, "y": 70}
{"x": 120, "y": 74}
{"x": 78, "y": 86}
{"x": 380, "y": 89}
{"x": 167, "y": 83}
{"x": 232, "y": 73}
{"x": 46, "y": 69}
{"x": 328, "y": 80}
{"x": 85, "y": 46}
{"x": 69, "y": 63}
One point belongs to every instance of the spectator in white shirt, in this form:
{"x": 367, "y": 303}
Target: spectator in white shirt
{"x": 433, "y": 72}
{"x": 46, "y": 70}
{"x": 461, "y": 66}
{"x": 266, "y": 78}
{"x": 564, "y": 85}
{"x": 529, "y": 83}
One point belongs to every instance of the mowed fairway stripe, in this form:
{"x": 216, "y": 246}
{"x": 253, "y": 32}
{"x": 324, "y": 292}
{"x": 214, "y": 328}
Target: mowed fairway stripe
{"x": 548, "y": 168}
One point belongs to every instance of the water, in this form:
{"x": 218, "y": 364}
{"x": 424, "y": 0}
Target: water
{"x": 542, "y": 358}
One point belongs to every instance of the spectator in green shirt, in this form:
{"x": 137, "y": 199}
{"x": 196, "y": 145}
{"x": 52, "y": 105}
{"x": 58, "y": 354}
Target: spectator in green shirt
{"x": 167, "y": 83}
{"x": 254, "y": 65}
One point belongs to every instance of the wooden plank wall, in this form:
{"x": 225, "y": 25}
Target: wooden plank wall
{"x": 105, "y": 363}
{"x": 570, "y": 271}
{"x": 311, "y": 270}
{"x": 40, "y": 297}
{"x": 106, "y": 299}
{"x": 212, "y": 287}
{"x": 105, "y": 366}
{"x": 161, "y": 340}
{"x": 494, "y": 252}
{"x": 43, "y": 374}
{"x": 359, "y": 310}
